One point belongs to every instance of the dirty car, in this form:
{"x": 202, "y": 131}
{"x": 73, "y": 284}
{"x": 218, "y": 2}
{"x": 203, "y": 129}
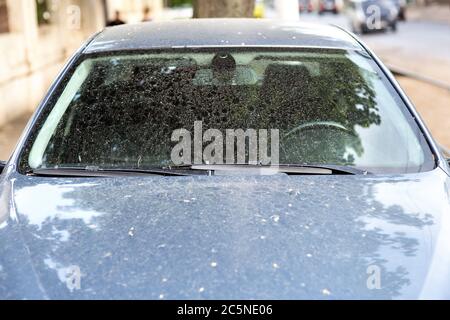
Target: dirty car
{"x": 93, "y": 205}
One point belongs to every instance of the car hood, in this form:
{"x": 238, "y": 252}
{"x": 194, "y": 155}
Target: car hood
{"x": 228, "y": 237}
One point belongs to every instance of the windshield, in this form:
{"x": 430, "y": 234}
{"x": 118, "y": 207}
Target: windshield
{"x": 160, "y": 109}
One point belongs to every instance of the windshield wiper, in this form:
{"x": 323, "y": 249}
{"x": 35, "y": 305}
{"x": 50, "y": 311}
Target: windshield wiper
{"x": 185, "y": 170}
{"x": 290, "y": 169}
{"x": 334, "y": 168}
{"x": 91, "y": 172}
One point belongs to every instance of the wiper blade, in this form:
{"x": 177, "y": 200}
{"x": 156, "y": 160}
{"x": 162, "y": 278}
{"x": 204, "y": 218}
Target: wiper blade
{"x": 290, "y": 169}
{"x": 99, "y": 172}
{"x": 334, "y": 168}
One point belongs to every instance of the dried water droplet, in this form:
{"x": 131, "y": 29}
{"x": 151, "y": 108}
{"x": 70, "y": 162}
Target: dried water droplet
{"x": 326, "y": 292}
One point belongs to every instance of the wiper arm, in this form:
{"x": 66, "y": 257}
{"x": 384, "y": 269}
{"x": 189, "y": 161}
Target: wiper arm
{"x": 334, "y": 168}
{"x": 99, "y": 172}
{"x": 290, "y": 169}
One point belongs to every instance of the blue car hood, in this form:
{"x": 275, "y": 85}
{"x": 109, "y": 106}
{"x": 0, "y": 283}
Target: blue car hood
{"x": 226, "y": 237}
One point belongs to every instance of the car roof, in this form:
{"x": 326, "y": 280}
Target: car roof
{"x": 191, "y": 33}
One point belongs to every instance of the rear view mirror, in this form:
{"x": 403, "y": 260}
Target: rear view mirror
{"x": 2, "y": 166}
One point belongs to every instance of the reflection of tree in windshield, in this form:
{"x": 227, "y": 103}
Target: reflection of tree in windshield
{"x": 339, "y": 95}
{"x": 126, "y": 111}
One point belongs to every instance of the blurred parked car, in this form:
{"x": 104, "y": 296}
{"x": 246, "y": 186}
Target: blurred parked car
{"x": 92, "y": 205}
{"x": 372, "y": 15}
{"x": 305, "y": 6}
{"x": 401, "y": 8}
{"x": 328, "y": 6}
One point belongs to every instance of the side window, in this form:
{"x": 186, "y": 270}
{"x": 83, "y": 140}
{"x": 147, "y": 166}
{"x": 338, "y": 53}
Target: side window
{"x": 4, "y": 21}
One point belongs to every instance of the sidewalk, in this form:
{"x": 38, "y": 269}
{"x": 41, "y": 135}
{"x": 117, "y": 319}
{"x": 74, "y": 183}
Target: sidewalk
{"x": 435, "y": 13}
{"x": 433, "y": 105}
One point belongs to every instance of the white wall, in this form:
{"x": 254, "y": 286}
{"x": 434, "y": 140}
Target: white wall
{"x": 31, "y": 56}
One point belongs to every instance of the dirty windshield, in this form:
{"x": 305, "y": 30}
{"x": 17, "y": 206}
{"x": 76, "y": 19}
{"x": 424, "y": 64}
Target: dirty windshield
{"x": 228, "y": 106}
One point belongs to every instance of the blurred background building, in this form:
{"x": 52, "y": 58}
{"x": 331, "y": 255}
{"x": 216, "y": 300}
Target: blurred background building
{"x": 37, "y": 37}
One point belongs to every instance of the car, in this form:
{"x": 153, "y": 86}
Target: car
{"x": 328, "y": 6}
{"x": 305, "y": 6}
{"x": 401, "y": 9}
{"x": 372, "y": 15}
{"x": 258, "y": 159}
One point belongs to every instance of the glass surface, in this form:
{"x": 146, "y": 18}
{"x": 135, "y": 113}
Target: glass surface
{"x": 330, "y": 107}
